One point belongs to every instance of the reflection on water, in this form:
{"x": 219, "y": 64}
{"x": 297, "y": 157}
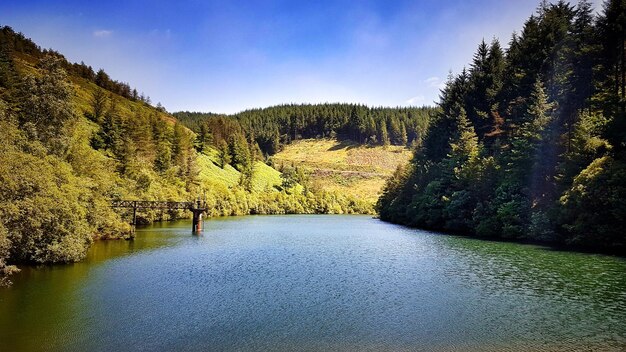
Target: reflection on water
{"x": 316, "y": 283}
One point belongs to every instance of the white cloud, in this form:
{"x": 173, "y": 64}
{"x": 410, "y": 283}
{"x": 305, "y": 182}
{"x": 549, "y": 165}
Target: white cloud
{"x": 102, "y": 33}
{"x": 418, "y": 100}
{"x": 435, "y": 82}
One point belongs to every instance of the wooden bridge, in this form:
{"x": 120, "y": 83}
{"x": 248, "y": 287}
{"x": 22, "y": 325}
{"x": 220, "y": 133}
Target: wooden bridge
{"x": 197, "y": 207}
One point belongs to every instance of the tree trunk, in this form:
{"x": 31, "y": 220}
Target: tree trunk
{"x": 623, "y": 80}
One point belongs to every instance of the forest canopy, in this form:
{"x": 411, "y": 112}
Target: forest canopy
{"x": 271, "y": 128}
{"x": 530, "y": 141}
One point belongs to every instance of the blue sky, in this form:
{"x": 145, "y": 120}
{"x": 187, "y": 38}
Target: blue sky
{"x": 227, "y": 56}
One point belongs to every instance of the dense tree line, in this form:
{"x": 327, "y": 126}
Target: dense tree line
{"x": 529, "y": 142}
{"x": 272, "y": 127}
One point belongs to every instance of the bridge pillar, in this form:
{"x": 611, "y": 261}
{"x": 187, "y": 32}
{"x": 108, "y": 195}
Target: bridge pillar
{"x": 197, "y": 220}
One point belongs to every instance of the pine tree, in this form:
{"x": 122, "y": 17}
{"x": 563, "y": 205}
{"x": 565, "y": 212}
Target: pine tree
{"x": 224, "y": 151}
{"x": 612, "y": 30}
{"x": 98, "y": 105}
{"x": 239, "y": 152}
{"x": 163, "y": 151}
{"x": 395, "y": 133}
{"x": 464, "y": 146}
{"x": 102, "y": 79}
{"x": 45, "y": 105}
{"x": 403, "y": 137}
{"x": 384, "y": 136}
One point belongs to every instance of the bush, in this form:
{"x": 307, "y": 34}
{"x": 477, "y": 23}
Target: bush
{"x": 594, "y": 208}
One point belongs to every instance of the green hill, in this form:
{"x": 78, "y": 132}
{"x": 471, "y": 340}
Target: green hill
{"x": 72, "y": 140}
{"x": 343, "y": 166}
{"x": 340, "y": 149}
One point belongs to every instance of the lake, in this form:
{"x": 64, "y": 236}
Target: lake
{"x": 316, "y": 282}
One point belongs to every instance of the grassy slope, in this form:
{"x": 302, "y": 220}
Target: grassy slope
{"x": 85, "y": 89}
{"x": 211, "y": 176}
{"x": 345, "y": 167}
{"x": 264, "y": 177}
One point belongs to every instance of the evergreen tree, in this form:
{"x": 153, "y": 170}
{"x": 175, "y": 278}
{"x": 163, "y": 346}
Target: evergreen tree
{"x": 612, "y": 30}
{"x": 45, "y": 105}
{"x": 204, "y": 138}
{"x": 384, "y": 136}
{"x": 163, "y": 151}
{"x": 239, "y": 152}
{"x": 224, "y": 154}
{"x": 98, "y": 104}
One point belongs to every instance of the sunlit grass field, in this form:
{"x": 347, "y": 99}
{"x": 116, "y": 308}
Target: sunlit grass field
{"x": 344, "y": 166}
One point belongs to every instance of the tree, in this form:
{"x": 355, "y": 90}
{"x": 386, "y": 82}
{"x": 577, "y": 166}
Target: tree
{"x": 45, "y": 105}
{"x": 540, "y": 154}
{"x": 395, "y": 132}
{"x": 41, "y": 203}
{"x": 110, "y": 135}
{"x": 485, "y": 83}
{"x": 102, "y": 79}
{"x": 594, "y": 208}
{"x": 160, "y": 135}
{"x": 98, "y": 104}
{"x": 384, "y": 136}
{"x": 403, "y": 140}
{"x": 465, "y": 144}
{"x": 357, "y": 124}
{"x": 612, "y": 30}
{"x": 224, "y": 154}
{"x": 203, "y": 139}
{"x": 5, "y": 250}
{"x": 530, "y": 156}
{"x": 239, "y": 152}
{"x": 8, "y": 74}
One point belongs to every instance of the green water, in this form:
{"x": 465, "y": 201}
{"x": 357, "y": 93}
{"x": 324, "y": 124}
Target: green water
{"x": 316, "y": 283}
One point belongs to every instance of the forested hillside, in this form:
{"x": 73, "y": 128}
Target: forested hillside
{"x": 273, "y": 127}
{"x": 345, "y": 149}
{"x": 72, "y": 140}
{"x": 529, "y": 142}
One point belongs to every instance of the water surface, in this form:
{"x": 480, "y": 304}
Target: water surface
{"x": 316, "y": 283}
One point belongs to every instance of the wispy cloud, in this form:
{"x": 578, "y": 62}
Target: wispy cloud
{"x": 102, "y": 33}
{"x": 418, "y": 100}
{"x": 435, "y": 82}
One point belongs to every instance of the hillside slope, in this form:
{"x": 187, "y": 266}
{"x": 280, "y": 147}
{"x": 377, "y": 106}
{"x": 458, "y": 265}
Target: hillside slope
{"x": 345, "y": 167}
{"x": 72, "y": 140}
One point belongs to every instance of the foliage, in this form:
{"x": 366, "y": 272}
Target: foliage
{"x": 346, "y": 167}
{"x": 529, "y": 143}
{"x": 274, "y": 127}
{"x": 595, "y": 202}
{"x": 5, "y": 250}
{"x": 41, "y": 202}
{"x": 17, "y": 43}
{"x": 72, "y": 140}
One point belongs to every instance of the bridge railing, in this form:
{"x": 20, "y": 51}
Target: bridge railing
{"x": 148, "y": 204}
{"x": 198, "y": 208}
